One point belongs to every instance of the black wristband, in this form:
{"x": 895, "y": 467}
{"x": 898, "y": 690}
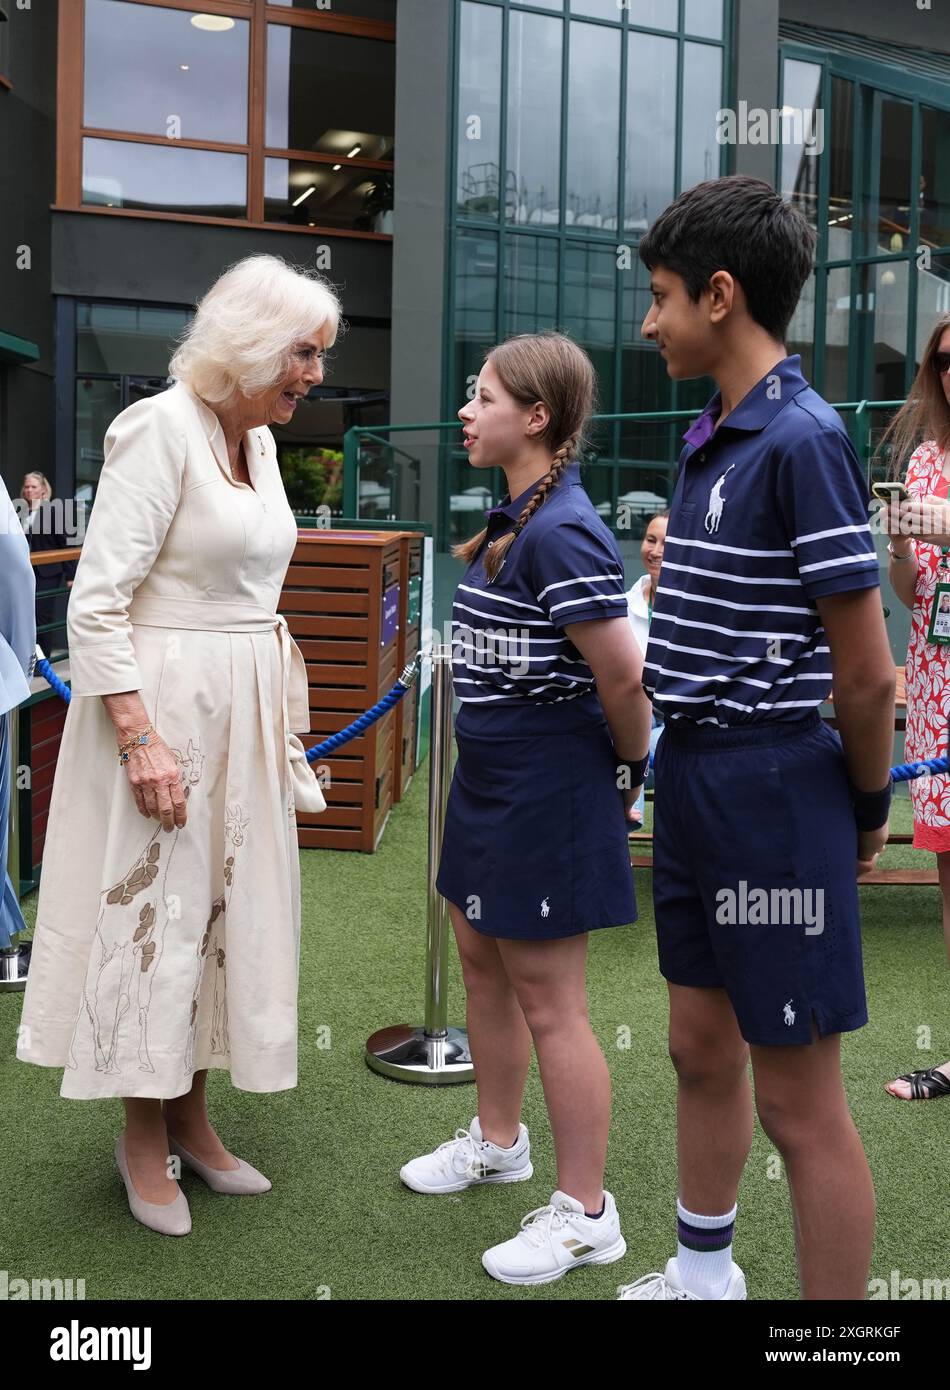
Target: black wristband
{"x": 871, "y": 808}
{"x": 635, "y": 771}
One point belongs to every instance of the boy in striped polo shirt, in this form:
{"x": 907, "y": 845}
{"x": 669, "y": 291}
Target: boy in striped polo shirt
{"x": 764, "y": 816}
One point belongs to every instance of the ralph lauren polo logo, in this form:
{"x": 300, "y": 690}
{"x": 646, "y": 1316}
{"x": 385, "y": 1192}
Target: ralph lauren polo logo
{"x": 716, "y": 499}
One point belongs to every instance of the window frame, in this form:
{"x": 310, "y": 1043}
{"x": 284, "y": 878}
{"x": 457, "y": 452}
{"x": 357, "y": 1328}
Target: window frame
{"x": 258, "y": 14}
{"x": 872, "y": 82}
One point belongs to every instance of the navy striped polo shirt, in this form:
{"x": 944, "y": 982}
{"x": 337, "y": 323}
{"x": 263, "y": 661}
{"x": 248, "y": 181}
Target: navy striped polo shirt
{"x": 770, "y": 513}
{"x": 509, "y": 650}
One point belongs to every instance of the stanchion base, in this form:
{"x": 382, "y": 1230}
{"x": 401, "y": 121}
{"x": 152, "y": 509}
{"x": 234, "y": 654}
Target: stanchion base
{"x": 408, "y": 1054}
{"x": 10, "y": 977}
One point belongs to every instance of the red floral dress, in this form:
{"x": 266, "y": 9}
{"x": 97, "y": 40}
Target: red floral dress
{"x": 927, "y": 670}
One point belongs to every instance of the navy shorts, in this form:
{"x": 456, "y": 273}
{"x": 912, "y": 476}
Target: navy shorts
{"x": 754, "y": 874}
{"x": 535, "y": 841}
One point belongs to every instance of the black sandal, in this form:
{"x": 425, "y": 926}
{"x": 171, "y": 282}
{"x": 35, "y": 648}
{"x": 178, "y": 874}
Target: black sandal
{"x": 925, "y": 1085}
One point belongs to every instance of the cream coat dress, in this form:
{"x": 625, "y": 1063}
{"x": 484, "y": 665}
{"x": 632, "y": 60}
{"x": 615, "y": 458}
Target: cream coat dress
{"x": 157, "y": 954}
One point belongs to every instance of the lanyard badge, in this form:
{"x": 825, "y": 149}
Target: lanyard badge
{"x": 939, "y": 630}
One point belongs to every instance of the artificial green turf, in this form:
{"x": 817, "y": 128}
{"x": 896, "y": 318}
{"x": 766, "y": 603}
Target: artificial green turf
{"x": 339, "y": 1223}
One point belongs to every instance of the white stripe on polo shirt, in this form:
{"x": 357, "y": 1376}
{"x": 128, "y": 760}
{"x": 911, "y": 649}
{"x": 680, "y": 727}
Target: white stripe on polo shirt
{"x": 565, "y": 551}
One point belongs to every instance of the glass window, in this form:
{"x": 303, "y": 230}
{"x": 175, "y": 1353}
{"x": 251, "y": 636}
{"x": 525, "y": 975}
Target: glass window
{"x": 837, "y": 333}
{"x": 598, "y": 477}
{"x": 701, "y": 154}
{"x": 590, "y": 310}
{"x": 330, "y": 93}
{"x": 801, "y": 142}
{"x": 651, "y": 130}
{"x": 598, "y": 9}
{"x": 127, "y": 339}
{"x": 476, "y": 282}
{"x": 155, "y": 71}
{"x": 934, "y": 191}
{"x": 593, "y": 127}
{"x": 358, "y": 9}
{"x": 97, "y": 405}
{"x": 654, "y": 14}
{"x": 534, "y": 121}
{"x": 328, "y": 195}
{"x": 933, "y": 300}
{"x": 889, "y": 214}
{"x": 644, "y": 382}
{"x": 206, "y": 183}
{"x": 479, "y": 110}
{"x": 841, "y": 174}
{"x": 642, "y": 493}
{"x": 704, "y": 18}
{"x": 530, "y": 284}
{"x": 886, "y": 307}
{"x": 800, "y": 336}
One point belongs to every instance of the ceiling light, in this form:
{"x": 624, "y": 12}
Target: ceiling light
{"x": 214, "y": 23}
{"x": 354, "y": 151}
{"x": 337, "y": 167}
{"x": 184, "y": 67}
{"x": 305, "y": 194}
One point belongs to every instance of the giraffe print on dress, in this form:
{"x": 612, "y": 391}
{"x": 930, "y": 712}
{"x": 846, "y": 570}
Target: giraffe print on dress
{"x": 127, "y": 936}
{"x": 212, "y": 948}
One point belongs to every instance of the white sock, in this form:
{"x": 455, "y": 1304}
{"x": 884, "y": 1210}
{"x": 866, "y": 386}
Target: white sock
{"x": 705, "y": 1259}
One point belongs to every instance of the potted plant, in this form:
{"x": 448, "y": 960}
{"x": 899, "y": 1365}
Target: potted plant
{"x": 378, "y": 202}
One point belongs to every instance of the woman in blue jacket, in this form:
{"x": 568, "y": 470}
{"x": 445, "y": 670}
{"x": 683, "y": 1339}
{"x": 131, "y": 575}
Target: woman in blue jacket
{"x": 552, "y": 736}
{"x": 17, "y": 658}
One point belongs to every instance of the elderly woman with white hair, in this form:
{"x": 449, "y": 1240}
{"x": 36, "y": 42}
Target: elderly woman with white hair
{"x": 162, "y": 950}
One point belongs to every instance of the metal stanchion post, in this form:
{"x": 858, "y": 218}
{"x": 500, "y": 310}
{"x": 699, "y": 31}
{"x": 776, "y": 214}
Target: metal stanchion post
{"x": 9, "y": 959}
{"x": 435, "y": 1054}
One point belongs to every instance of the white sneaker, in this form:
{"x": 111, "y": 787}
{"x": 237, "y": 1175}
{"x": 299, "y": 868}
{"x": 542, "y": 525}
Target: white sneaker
{"x": 670, "y": 1286}
{"x": 468, "y": 1160}
{"x": 554, "y": 1239}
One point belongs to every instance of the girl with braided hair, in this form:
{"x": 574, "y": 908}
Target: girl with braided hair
{"x": 552, "y": 736}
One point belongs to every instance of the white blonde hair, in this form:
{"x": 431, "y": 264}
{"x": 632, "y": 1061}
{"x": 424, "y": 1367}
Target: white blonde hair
{"x": 43, "y": 482}
{"x": 241, "y": 338}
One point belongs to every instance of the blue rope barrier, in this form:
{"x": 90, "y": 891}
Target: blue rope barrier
{"x": 903, "y": 772}
{"x": 51, "y": 678}
{"x": 906, "y": 772}
{"x": 319, "y": 750}
{"x": 366, "y": 720}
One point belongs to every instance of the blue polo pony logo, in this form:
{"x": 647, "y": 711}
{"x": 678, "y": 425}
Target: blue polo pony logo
{"x": 714, "y": 515}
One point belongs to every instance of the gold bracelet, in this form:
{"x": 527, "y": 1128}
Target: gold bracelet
{"x": 139, "y": 740}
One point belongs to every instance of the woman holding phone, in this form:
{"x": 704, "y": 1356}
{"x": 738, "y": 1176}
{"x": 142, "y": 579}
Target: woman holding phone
{"x": 919, "y": 567}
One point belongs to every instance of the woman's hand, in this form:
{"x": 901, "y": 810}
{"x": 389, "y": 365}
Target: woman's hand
{"x": 927, "y": 518}
{"x": 155, "y": 779}
{"x": 630, "y": 810}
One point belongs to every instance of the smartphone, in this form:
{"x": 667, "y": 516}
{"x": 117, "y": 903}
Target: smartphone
{"x": 890, "y": 493}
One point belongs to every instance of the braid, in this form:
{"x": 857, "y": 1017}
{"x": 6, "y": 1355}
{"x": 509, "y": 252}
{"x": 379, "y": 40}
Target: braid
{"x": 497, "y": 554}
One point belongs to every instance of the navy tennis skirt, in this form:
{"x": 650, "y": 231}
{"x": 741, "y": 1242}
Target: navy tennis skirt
{"x": 535, "y": 844}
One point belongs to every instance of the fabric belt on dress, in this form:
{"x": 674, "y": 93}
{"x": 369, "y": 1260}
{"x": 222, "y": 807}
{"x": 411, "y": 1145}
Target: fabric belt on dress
{"x": 207, "y": 615}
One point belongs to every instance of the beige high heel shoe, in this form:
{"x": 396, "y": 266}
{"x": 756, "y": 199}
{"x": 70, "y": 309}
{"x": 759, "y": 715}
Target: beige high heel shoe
{"x": 169, "y": 1219}
{"x": 243, "y": 1181}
